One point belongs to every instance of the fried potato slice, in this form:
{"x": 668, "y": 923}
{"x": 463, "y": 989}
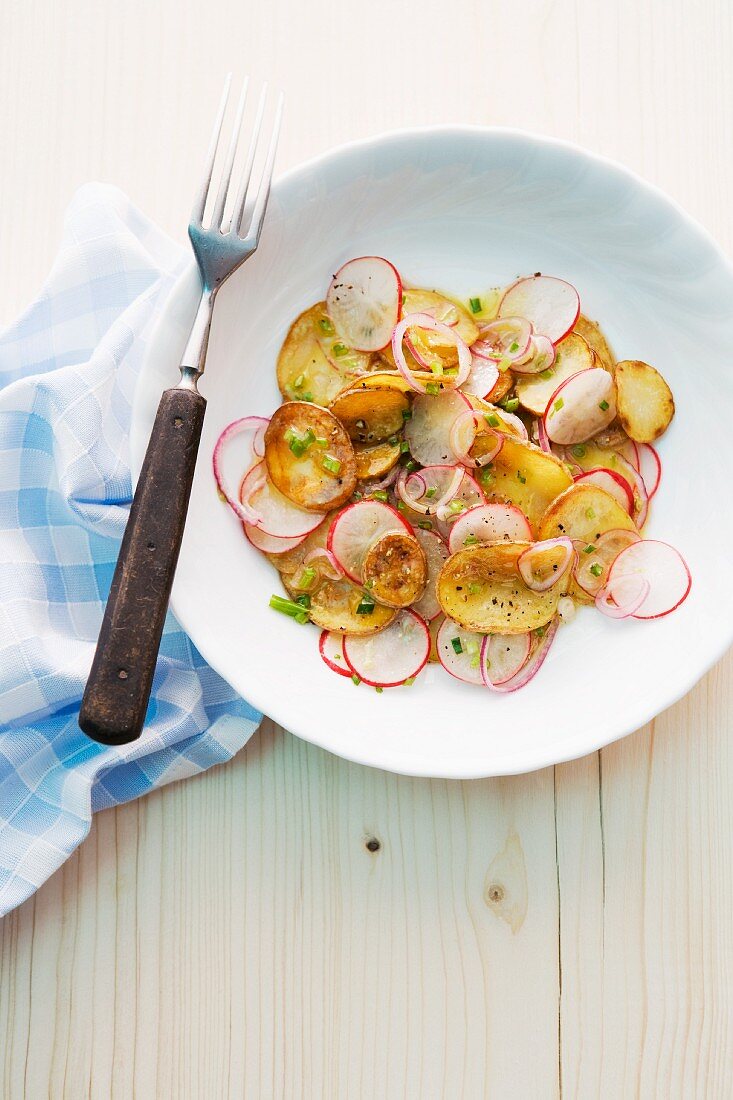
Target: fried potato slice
{"x": 395, "y": 570}
{"x": 333, "y": 606}
{"x": 645, "y": 401}
{"x": 370, "y": 414}
{"x": 584, "y": 512}
{"x": 571, "y": 355}
{"x": 501, "y": 387}
{"x": 596, "y": 341}
{"x": 376, "y": 460}
{"x": 323, "y": 476}
{"x": 481, "y": 589}
{"x": 523, "y": 475}
{"x": 303, "y": 369}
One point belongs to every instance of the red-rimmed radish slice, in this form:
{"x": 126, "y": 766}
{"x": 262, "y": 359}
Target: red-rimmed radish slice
{"x": 581, "y": 406}
{"x": 357, "y": 528}
{"x": 624, "y": 599}
{"x": 504, "y": 655}
{"x": 395, "y": 654}
{"x": 270, "y": 544}
{"x": 649, "y": 466}
{"x": 459, "y": 652}
{"x": 425, "y": 321}
{"x": 428, "y": 431}
{"x": 491, "y": 522}
{"x": 463, "y": 436}
{"x": 544, "y": 563}
{"x": 430, "y": 489}
{"x": 436, "y": 552}
{"x": 505, "y": 339}
{"x": 550, "y": 305}
{"x": 541, "y": 357}
{"x": 662, "y": 566}
{"x": 363, "y": 301}
{"x": 591, "y": 568}
{"x": 482, "y": 378}
{"x": 331, "y": 648}
{"x": 613, "y": 483}
{"x": 276, "y": 515}
{"x": 540, "y": 649}
{"x": 233, "y": 455}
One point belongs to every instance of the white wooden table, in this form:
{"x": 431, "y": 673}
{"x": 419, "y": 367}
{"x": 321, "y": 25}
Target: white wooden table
{"x": 567, "y": 932}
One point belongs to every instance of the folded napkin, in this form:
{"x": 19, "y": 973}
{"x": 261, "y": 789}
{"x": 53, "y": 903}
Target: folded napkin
{"x": 67, "y": 374}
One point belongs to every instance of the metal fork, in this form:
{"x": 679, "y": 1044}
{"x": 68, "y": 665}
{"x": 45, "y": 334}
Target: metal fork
{"x": 118, "y": 689}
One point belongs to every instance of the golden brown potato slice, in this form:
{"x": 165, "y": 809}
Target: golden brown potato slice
{"x": 375, "y": 461}
{"x": 645, "y": 401}
{"x": 596, "y": 341}
{"x": 523, "y": 475}
{"x": 443, "y": 309}
{"x": 303, "y": 369}
{"x": 333, "y": 606}
{"x": 434, "y": 626}
{"x": 481, "y": 589}
{"x": 571, "y": 355}
{"x": 502, "y": 386}
{"x": 370, "y": 414}
{"x": 309, "y": 456}
{"x": 395, "y": 570}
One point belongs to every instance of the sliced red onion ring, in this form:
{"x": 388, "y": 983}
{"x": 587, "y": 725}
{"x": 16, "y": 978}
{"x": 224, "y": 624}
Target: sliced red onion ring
{"x": 532, "y": 556}
{"x": 226, "y": 477}
{"x": 384, "y": 483}
{"x": 542, "y": 437}
{"x": 463, "y": 436}
{"x": 622, "y": 598}
{"x": 508, "y": 338}
{"x": 431, "y": 507}
{"x": 424, "y": 320}
{"x": 541, "y": 356}
{"x": 531, "y": 666}
{"x": 514, "y": 422}
{"x": 326, "y": 563}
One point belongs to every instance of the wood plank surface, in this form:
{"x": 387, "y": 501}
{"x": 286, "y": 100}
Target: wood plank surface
{"x": 566, "y": 933}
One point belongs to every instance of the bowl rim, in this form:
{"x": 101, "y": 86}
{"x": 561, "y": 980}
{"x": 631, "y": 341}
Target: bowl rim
{"x": 399, "y": 762}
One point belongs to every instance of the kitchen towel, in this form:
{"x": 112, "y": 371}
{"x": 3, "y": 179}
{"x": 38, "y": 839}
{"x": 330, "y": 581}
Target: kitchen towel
{"x": 68, "y": 369}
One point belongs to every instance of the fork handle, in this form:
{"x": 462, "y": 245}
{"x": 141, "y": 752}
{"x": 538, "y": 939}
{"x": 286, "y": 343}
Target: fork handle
{"x": 118, "y": 689}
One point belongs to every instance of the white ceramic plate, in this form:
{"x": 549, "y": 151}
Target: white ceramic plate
{"x": 465, "y": 209}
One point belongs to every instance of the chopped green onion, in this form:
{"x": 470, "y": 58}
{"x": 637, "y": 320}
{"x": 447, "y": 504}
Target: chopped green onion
{"x": 432, "y": 388}
{"x": 589, "y": 513}
{"x": 404, "y": 447}
{"x": 299, "y": 444}
{"x": 511, "y": 404}
{"x": 289, "y": 607}
{"x": 339, "y": 350}
{"x": 425, "y": 525}
{"x": 409, "y": 681}
{"x": 603, "y": 405}
{"x": 369, "y": 583}
{"x": 407, "y": 414}
{"x": 578, "y": 450}
{"x": 521, "y": 477}
{"x": 366, "y": 606}
{"x": 475, "y": 304}
{"x": 356, "y": 495}
{"x": 411, "y": 465}
{"x": 393, "y": 441}
{"x": 471, "y": 648}
{"x": 456, "y": 506}
{"x": 401, "y": 506}
{"x": 298, "y": 383}
{"x": 378, "y": 689}
{"x": 380, "y": 494}
{"x": 504, "y": 365}
{"x": 474, "y": 588}
{"x": 492, "y": 420}
{"x": 540, "y": 631}
{"x": 596, "y": 569}
{"x": 222, "y": 496}
{"x": 307, "y": 577}
{"x": 546, "y": 374}
{"x": 437, "y": 368}
{"x": 470, "y": 540}
{"x": 304, "y": 600}
{"x": 326, "y": 326}
{"x": 486, "y": 476}
{"x": 457, "y": 647}
{"x": 588, "y": 549}
{"x": 331, "y": 464}
{"x": 356, "y": 679}
{"x": 431, "y": 491}
{"x": 558, "y": 404}
{"x": 514, "y": 346}
{"x": 475, "y": 661}
{"x": 306, "y": 396}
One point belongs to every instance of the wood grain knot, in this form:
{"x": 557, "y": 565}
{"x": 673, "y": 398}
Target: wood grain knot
{"x": 372, "y": 844}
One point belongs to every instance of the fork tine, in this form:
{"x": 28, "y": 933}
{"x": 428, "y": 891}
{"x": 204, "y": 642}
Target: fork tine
{"x": 263, "y": 191}
{"x": 221, "y": 198}
{"x": 238, "y": 208}
{"x": 197, "y": 214}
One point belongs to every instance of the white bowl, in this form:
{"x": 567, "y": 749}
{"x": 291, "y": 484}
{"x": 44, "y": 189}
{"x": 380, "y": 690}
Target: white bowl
{"x": 464, "y": 209}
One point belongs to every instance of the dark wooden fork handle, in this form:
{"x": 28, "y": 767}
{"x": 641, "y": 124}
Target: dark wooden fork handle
{"x": 118, "y": 689}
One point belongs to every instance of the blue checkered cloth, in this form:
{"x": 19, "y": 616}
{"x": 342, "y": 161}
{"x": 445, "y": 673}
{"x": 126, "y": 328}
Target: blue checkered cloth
{"x": 67, "y": 373}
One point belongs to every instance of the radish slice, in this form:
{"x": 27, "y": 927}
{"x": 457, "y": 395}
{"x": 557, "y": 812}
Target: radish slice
{"x": 459, "y": 652}
{"x": 489, "y": 523}
{"x": 463, "y": 436}
{"x": 541, "y": 357}
{"x": 649, "y": 466}
{"x": 270, "y": 544}
{"x": 506, "y": 339}
{"x": 541, "y": 647}
{"x": 232, "y": 455}
{"x": 591, "y": 569}
{"x": 357, "y": 528}
{"x": 326, "y": 563}
{"x": 662, "y": 566}
{"x": 551, "y": 305}
{"x": 624, "y": 599}
{"x": 436, "y": 553}
{"x": 424, "y": 320}
{"x": 582, "y": 405}
{"x": 363, "y": 301}
{"x": 504, "y": 655}
{"x": 482, "y": 377}
{"x": 331, "y": 649}
{"x": 630, "y": 451}
{"x": 276, "y": 515}
{"x": 544, "y": 563}
{"x": 431, "y": 489}
{"x": 428, "y": 431}
{"x": 613, "y": 483}
{"x": 392, "y": 656}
